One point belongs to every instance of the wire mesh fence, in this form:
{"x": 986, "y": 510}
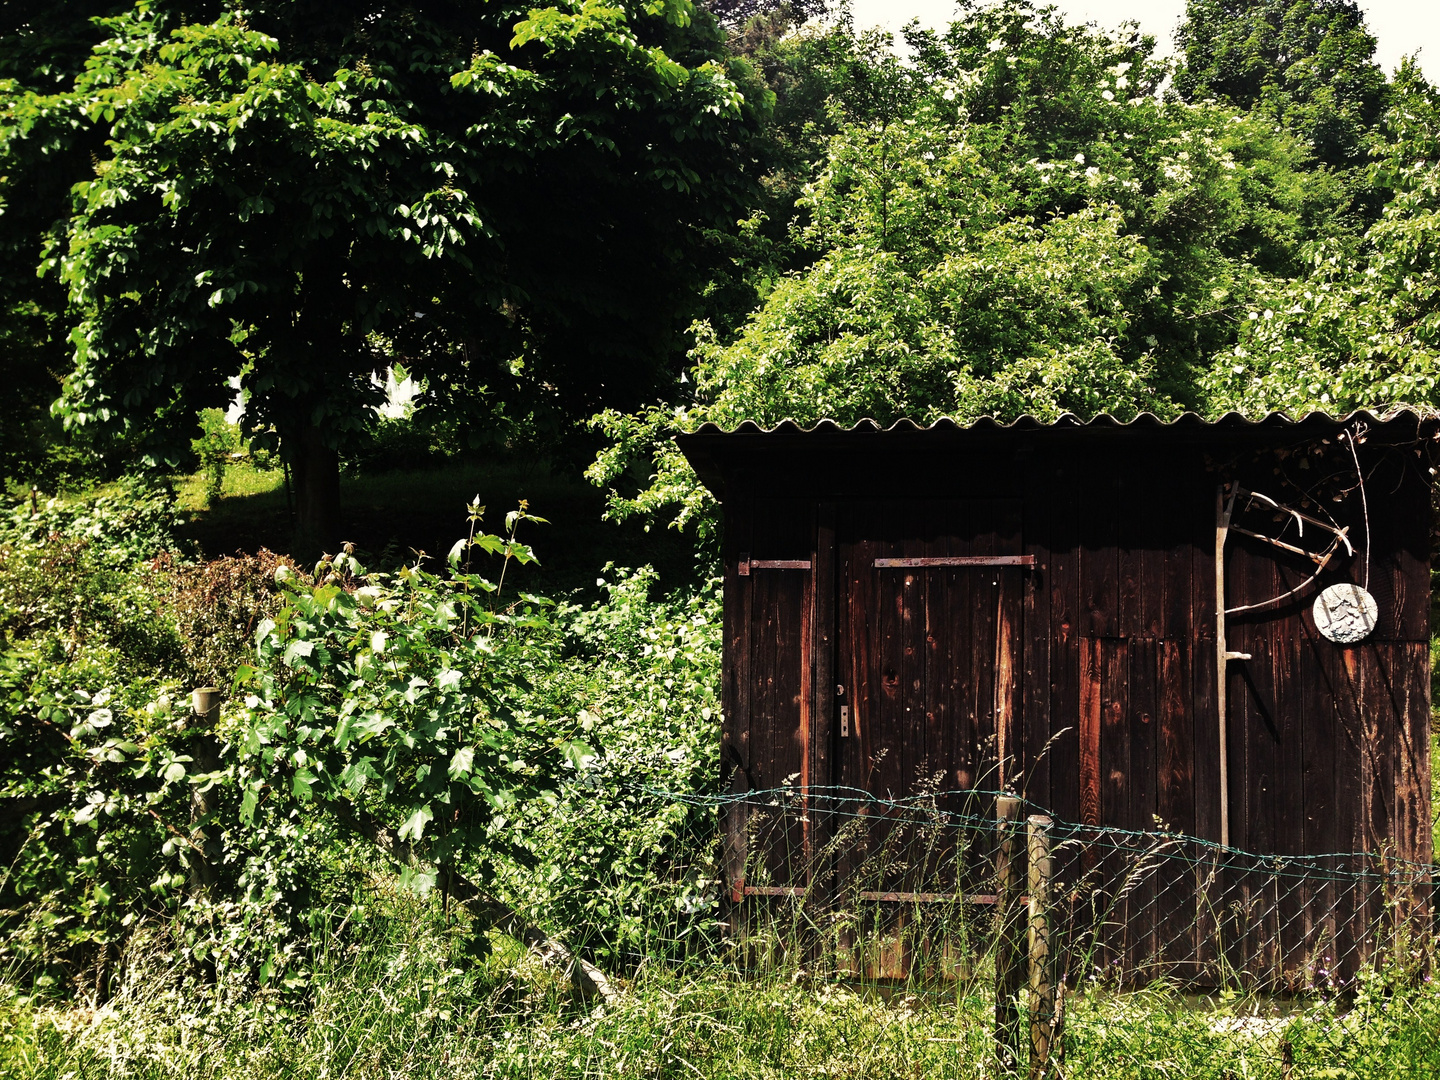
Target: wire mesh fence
{"x": 977, "y": 892}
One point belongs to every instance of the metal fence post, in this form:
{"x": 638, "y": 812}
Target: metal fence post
{"x": 1009, "y": 950}
{"x": 1042, "y": 981}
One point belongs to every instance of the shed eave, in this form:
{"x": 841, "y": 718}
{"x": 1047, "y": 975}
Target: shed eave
{"x": 713, "y": 451}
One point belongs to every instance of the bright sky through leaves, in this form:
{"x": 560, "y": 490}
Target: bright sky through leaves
{"x": 1401, "y": 26}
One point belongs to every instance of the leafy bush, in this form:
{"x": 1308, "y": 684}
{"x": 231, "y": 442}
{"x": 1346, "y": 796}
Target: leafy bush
{"x": 615, "y": 862}
{"x": 217, "y": 606}
{"x": 132, "y": 521}
{"x": 109, "y": 784}
{"x": 519, "y": 743}
{"x": 516, "y": 743}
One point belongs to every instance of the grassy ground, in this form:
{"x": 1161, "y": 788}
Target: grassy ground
{"x": 397, "y": 1001}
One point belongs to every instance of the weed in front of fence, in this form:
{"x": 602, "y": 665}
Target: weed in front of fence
{"x": 876, "y": 948}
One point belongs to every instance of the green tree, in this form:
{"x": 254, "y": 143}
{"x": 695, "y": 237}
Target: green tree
{"x": 741, "y": 12}
{"x": 1360, "y": 328}
{"x": 1308, "y": 62}
{"x": 42, "y": 47}
{"x": 1034, "y": 232}
{"x": 819, "y": 76}
{"x": 301, "y": 193}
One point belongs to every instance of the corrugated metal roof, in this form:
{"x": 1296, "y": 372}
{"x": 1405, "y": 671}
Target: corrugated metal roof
{"x": 1230, "y": 421}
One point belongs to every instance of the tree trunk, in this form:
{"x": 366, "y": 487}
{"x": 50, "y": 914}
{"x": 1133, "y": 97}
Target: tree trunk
{"x": 317, "y": 494}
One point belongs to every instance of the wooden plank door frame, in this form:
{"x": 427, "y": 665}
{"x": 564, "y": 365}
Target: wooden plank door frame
{"x": 816, "y": 641}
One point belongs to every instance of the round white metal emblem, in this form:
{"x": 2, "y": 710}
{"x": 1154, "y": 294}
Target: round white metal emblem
{"x": 1345, "y": 613}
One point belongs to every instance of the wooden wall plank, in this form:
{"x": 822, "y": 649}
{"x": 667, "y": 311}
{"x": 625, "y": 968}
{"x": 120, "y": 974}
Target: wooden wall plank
{"x": 1361, "y": 673}
{"x": 910, "y": 526}
{"x": 985, "y": 610}
{"x": 823, "y": 728}
{"x": 1114, "y": 776}
{"x": 1383, "y": 703}
{"x": 1198, "y": 517}
{"x": 1396, "y": 483}
{"x": 1134, "y": 510}
{"x": 940, "y": 670}
{"x": 851, "y": 653}
{"x": 962, "y": 684}
{"x": 1177, "y": 534}
{"x": 1008, "y": 677}
{"x": 1255, "y": 734}
{"x": 1066, "y": 747}
{"x": 958, "y": 680}
{"x": 887, "y": 763}
{"x": 1175, "y": 799}
{"x": 1037, "y": 635}
{"x": 1092, "y": 705}
{"x": 864, "y": 630}
{"x": 1318, "y": 780}
{"x": 796, "y": 706}
{"x": 1414, "y": 833}
{"x": 776, "y": 655}
{"x": 1009, "y": 628}
{"x": 913, "y": 530}
{"x": 1343, "y": 678}
{"x": 1141, "y": 714}
{"x": 1099, "y": 551}
{"x": 1414, "y": 839}
{"x": 1289, "y": 790}
{"x": 1204, "y": 691}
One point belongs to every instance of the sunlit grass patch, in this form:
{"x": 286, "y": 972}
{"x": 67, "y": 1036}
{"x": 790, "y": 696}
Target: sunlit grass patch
{"x": 242, "y": 479}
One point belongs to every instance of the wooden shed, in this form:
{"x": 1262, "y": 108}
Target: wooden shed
{"x": 1115, "y": 621}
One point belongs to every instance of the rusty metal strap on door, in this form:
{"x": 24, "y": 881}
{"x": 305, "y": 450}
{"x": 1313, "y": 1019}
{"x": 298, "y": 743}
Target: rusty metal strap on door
{"x": 882, "y": 897}
{"x": 748, "y": 564}
{"x": 961, "y": 560}
{"x": 929, "y": 897}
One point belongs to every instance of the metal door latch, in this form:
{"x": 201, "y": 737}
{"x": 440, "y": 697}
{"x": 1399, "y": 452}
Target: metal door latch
{"x": 844, "y": 721}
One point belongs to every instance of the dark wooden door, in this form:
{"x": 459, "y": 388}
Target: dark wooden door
{"x": 768, "y": 842}
{"x": 929, "y": 645}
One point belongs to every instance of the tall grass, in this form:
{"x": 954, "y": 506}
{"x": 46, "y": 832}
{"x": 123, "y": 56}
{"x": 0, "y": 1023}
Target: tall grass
{"x": 401, "y": 999}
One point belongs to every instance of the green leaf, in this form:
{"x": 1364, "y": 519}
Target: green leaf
{"x": 577, "y": 753}
{"x": 297, "y": 650}
{"x": 248, "y": 803}
{"x": 462, "y": 762}
{"x": 420, "y": 882}
{"x": 370, "y": 725}
{"x": 415, "y": 824}
{"x": 301, "y": 783}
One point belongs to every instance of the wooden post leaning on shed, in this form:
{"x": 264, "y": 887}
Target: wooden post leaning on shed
{"x": 1043, "y": 1016}
{"x": 1224, "y": 508}
{"x": 1009, "y": 952}
{"x": 204, "y": 799}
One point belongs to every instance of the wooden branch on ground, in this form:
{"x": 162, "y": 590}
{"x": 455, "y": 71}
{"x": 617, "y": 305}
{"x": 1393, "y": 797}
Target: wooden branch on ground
{"x": 588, "y": 979}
